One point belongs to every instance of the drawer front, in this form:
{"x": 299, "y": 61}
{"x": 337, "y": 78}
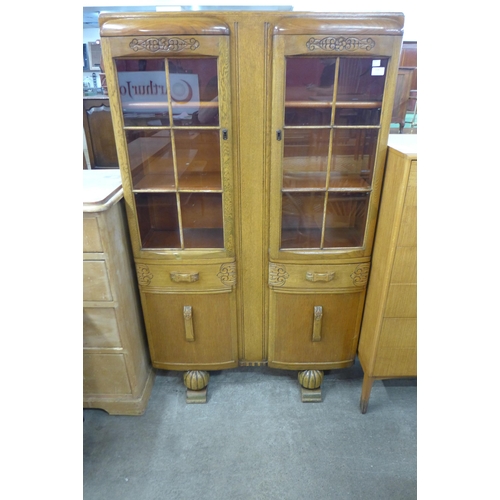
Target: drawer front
{"x": 100, "y": 328}
{"x": 404, "y": 268}
{"x": 318, "y": 276}
{"x": 397, "y": 349}
{"x": 408, "y": 228}
{"x": 196, "y": 277}
{"x": 105, "y": 374}
{"x": 187, "y": 330}
{"x": 315, "y": 329}
{"x": 91, "y": 237}
{"x": 401, "y": 301}
{"x": 95, "y": 281}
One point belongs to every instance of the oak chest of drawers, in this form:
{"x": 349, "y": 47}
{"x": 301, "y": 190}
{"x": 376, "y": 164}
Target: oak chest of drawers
{"x": 388, "y": 339}
{"x": 117, "y": 373}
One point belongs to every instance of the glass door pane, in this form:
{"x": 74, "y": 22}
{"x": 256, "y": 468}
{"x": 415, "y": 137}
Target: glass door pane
{"x": 202, "y": 221}
{"x": 309, "y": 90}
{"x": 353, "y": 158}
{"x": 143, "y": 91}
{"x": 302, "y": 219}
{"x": 331, "y": 128}
{"x": 194, "y": 91}
{"x": 305, "y": 158}
{"x": 158, "y": 220}
{"x": 198, "y": 159}
{"x": 173, "y": 140}
{"x": 345, "y": 219}
{"x": 151, "y": 159}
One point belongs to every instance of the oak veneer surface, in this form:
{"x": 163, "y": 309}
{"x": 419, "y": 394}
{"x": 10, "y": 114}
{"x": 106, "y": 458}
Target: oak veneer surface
{"x": 247, "y": 312}
{"x": 117, "y": 373}
{"x": 388, "y": 339}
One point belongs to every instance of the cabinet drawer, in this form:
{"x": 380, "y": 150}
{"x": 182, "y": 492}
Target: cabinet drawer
{"x": 318, "y": 276}
{"x": 91, "y": 237}
{"x": 187, "y": 277}
{"x": 100, "y": 328}
{"x": 95, "y": 281}
{"x": 105, "y": 374}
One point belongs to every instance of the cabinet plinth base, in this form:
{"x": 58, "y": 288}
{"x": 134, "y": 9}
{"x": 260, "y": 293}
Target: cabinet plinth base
{"x": 196, "y": 396}
{"x": 311, "y": 395}
{"x": 196, "y": 382}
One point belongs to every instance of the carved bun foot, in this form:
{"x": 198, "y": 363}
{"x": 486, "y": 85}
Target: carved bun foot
{"x": 196, "y": 382}
{"x": 310, "y": 381}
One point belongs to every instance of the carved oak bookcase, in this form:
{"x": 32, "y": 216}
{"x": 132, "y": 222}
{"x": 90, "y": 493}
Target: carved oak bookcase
{"x": 251, "y": 147}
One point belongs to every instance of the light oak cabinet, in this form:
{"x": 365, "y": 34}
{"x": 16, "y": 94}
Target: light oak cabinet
{"x": 117, "y": 373}
{"x": 388, "y": 340}
{"x": 252, "y": 148}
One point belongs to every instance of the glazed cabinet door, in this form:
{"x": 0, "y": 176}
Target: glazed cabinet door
{"x": 330, "y": 126}
{"x": 169, "y": 86}
{"x": 332, "y": 93}
{"x": 171, "y": 99}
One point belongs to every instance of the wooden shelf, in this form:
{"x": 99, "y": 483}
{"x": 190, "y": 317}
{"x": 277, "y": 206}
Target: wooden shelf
{"x": 203, "y": 182}
{"x": 307, "y": 181}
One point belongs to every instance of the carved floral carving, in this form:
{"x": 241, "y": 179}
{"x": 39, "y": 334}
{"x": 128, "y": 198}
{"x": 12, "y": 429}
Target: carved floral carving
{"x": 227, "y": 274}
{"x": 144, "y": 275}
{"x": 360, "y": 275}
{"x": 173, "y": 44}
{"x": 277, "y": 274}
{"x": 340, "y": 44}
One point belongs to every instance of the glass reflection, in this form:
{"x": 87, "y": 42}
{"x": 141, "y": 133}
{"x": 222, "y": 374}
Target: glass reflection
{"x": 143, "y": 91}
{"x": 194, "y": 92}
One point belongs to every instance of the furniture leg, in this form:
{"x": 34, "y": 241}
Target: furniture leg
{"x": 196, "y": 382}
{"x": 310, "y": 381}
{"x": 366, "y": 389}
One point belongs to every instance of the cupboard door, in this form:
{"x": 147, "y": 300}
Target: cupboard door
{"x": 175, "y": 132}
{"x": 314, "y": 330}
{"x": 330, "y": 121}
{"x": 191, "y": 331}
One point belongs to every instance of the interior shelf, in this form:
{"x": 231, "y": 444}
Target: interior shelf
{"x": 197, "y": 182}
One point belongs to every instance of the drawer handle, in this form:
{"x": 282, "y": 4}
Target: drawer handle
{"x": 188, "y": 323}
{"x": 318, "y": 316}
{"x": 328, "y": 276}
{"x": 184, "y": 277}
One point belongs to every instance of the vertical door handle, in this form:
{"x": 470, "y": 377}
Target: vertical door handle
{"x": 278, "y": 135}
{"x": 318, "y": 316}
{"x": 188, "y": 323}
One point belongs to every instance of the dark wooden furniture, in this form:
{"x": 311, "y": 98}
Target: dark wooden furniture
{"x": 403, "y": 87}
{"x": 99, "y": 134}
